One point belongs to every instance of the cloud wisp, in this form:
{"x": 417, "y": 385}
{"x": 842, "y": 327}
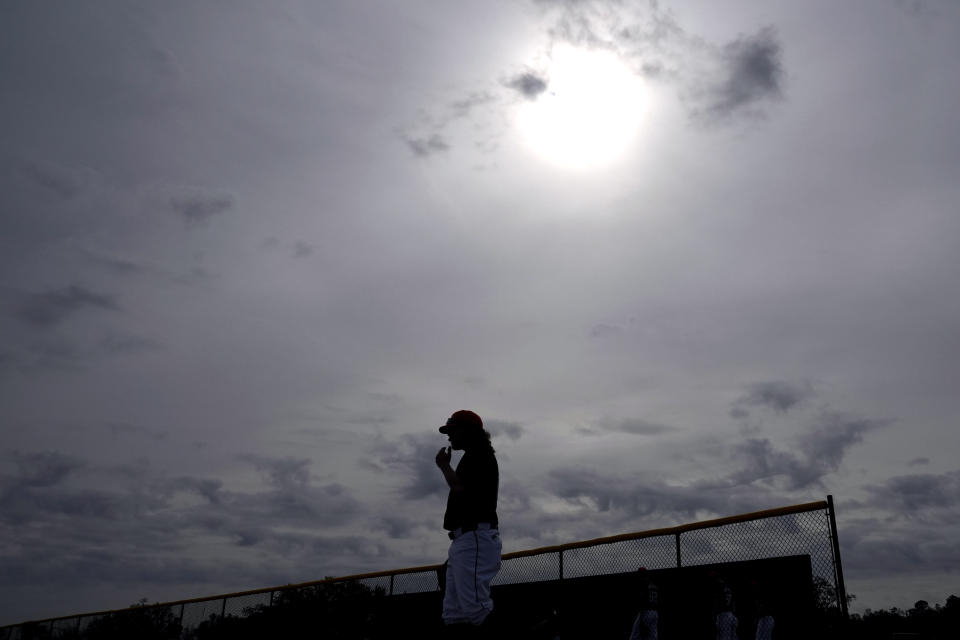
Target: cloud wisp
{"x": 721, "y": 83}
{"x": 424, "y": 147}
{"x": 818, "y": 451}
{"x": 52, "y": 307}
{"x": 914, "y": 492}
{"x": 410, "y": 459}
{"x": 630, "y": 426}
{"x": 200, "y": 209}
{"x": 778, "y": 395}
{"x": 752, "y": 75}
{"x": 528, "y": 84}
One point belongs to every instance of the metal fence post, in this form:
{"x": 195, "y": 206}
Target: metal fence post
{"x": 561, "y": 564}
{"x": 677, "y": 538}
{"x": 837, "y": 565}
{"x": 223, "y": 609}
{"x": 182, "y": 605}
{"x": 391, "y": 583}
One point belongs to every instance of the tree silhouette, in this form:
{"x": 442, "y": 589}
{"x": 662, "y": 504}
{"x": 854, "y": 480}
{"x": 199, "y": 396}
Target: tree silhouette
{"x": 140, "y": 621}
{"x": 338, "y": 610}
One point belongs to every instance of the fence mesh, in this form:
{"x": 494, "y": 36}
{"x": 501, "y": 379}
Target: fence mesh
{"x": 801, "y": 530}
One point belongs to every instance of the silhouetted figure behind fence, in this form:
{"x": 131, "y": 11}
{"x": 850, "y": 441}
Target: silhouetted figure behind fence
{"x": 646, "y": 626}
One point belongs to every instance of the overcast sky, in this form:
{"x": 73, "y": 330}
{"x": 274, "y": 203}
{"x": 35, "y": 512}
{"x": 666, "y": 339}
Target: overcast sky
{"x": 253, "y": 254}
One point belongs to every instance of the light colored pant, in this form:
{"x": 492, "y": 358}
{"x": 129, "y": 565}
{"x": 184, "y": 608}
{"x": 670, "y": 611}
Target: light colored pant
{"x": 473, "y": 562}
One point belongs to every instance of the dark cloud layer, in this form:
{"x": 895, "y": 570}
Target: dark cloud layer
{"x": 150, "y": 521}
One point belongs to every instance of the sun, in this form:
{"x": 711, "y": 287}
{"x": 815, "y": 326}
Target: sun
{"x": 589, "y": 113}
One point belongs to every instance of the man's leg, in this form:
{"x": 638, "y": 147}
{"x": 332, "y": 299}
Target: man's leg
{"x": 451, "y": 612}
{"x": 487, "y": 565}
{"x": 474, "y": 561}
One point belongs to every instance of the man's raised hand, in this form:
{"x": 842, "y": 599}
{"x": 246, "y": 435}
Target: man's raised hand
{"x": 443, "y": 457}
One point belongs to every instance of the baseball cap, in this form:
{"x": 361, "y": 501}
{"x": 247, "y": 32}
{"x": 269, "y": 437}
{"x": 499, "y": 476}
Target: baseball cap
{"x": 463, "y": 418}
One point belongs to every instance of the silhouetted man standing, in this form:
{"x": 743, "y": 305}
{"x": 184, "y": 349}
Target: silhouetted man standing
{"x": 471, "y": 520}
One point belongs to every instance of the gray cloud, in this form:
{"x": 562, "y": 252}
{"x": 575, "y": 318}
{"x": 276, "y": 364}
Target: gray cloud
{"x": 410, "y": 459}
{"x": 511, "y": 430}
{"x": 821, "y": 451}
{"x": 910, "y": 493}
{"x": 324, "y": 506}
{"x": 198, "y": 209}
{"x": 463, "y": 107}
{"x": 119, "y": 266}
{"x": 57, "y": 180}
{"x": 53, "y": 355}
{"x": 44, "y": 469}
{"x": 833, "y": 435}
{"x": 921, "y": 461}
{"x": 117, "y": 343}
{"x": 905, "y": 555}
{"x": 632, "y": 426}
{"x": 398, "y": 527}
{"x": 739, "y": 255}
{"x": 208, "y": 488}
{"x": 423, "y": 147}
{"x": 118, "y": 429}
{"x": 750, "y": 68}
{"x": 282, "y": 473}
{"x": 302, "y": 249}
{"x": 65, "y": 353}
{"x": 602, "y": 330}
{"x": 142, "y": 511}
{"x": 578, "y": 25}
{"x": 432, "y": 135}
{"x": 766, "y": 476}
{"x": 635, "y": 497}
{"x": 529, "y": 85}
{"x": 897, "y": 547}
{"x": 754, "y": 74}
{"x": 777, "y": 395}
{"x": 52, "y": 307}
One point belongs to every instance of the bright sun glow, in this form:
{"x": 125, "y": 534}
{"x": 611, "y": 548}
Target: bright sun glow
{"x": 589, "y": 113}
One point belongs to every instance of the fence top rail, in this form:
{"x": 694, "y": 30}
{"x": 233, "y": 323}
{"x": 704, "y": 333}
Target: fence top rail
{"x": 638, "y": 535}
{"x": 670, "y": 531}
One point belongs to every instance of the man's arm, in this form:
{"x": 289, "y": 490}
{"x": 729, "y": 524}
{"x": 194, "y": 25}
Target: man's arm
{"x": 443, "y": 461}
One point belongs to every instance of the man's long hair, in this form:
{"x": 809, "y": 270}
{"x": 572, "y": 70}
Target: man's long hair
{"x": 482, "y": 440}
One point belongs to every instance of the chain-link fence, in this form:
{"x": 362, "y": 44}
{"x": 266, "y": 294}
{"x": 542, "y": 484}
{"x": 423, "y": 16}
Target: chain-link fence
{"x": 806, "y": 530}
